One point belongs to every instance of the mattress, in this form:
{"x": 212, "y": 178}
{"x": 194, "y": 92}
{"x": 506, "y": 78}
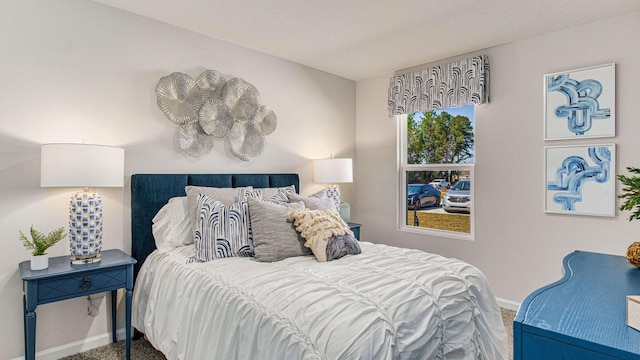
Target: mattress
{"x": 385, "y": 303}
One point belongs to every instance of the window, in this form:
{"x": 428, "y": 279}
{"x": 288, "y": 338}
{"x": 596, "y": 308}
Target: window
{"x": 436, "y": 170}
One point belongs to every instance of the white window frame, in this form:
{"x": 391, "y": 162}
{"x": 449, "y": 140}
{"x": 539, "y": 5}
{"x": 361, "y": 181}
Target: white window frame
{"x": 403, "y": 168}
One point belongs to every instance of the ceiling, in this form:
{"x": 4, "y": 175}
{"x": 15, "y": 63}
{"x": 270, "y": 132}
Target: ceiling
{"x": 360, "y": 39}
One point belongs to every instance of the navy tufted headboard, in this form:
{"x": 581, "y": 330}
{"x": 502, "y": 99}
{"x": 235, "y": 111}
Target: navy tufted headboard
{"x": 149, "y": 192}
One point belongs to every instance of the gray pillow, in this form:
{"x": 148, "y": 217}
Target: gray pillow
{"x": 274, "y": 236}
{"x": 313, "y": 203}
{"x": 332, "y": 192}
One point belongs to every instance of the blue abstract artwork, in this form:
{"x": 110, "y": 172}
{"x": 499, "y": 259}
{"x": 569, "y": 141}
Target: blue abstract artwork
{"x": 580, "y": 103}
{"x": 582, "y": 106}
{"x": 581, "y": 180}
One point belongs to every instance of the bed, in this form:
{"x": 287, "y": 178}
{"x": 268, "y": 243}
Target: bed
{"x": 384, "y": 303}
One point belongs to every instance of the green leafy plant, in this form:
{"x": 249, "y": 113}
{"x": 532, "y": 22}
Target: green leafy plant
{"x": 40, "y": 242}
{"x": 631, "y": 192}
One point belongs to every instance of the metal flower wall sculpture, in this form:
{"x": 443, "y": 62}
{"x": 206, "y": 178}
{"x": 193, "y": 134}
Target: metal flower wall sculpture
{"x": 211, "y": 107}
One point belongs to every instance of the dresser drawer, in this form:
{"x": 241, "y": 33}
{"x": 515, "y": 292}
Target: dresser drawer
{"x": 60, "y": 288}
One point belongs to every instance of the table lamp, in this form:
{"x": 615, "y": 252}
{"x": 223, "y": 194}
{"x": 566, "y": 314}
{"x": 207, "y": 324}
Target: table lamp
{"x": 333, "y": 171}
{"x": 83, "y": 166}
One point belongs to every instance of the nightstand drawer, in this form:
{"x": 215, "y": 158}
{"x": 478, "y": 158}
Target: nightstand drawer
{"x": 61, "y": 288}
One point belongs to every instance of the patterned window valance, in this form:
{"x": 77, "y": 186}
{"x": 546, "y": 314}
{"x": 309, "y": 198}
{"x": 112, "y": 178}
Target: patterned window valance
{"x": 454, "y": 84}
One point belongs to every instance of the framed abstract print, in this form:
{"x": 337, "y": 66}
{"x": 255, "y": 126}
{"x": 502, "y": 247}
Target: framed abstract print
{"x": 580, "y": 104}
{"x": 580, "y": 180}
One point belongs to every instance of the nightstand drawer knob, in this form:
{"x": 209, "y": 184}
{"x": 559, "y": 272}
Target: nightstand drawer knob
{"x": 86, "y": 284}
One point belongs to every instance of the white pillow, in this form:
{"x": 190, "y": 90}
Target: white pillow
{"x": 172, "y": 225}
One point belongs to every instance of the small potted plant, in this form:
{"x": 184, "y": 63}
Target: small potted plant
{"x": 39, "y": 244}
{"x": 631, "y": 195}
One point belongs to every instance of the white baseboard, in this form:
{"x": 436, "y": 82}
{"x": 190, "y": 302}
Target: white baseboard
{"x": 508, "y": 304}
{"x": 76, "y": 347}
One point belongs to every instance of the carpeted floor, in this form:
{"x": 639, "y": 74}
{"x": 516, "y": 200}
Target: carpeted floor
{"x": 142, "y": 350}
{"x": 507, "y": 318}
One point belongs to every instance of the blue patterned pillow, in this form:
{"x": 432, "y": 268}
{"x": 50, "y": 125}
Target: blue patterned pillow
{"x": 221, "y": 230}
{"x": 271, "y": 195}
{"x": 281, "y": 196}
{"x": 248, "y": 192}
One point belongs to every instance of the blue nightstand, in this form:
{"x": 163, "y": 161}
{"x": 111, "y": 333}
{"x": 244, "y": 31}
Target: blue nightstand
{"x": 355, "y": 227}
{"x": 62, "y": 281}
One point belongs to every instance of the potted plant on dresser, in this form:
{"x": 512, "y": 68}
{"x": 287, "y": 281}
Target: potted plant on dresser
{"x": 631, "y": 195}
{"x": 39, "y": 244}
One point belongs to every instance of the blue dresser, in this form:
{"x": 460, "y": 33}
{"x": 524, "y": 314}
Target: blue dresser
{"x": 583, "y": 315}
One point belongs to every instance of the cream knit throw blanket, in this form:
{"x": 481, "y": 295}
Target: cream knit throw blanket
{"x": 317, "y": 227}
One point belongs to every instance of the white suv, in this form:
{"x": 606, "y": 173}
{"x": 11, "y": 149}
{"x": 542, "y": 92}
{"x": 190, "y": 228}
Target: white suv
{"x": 440, "y": 183}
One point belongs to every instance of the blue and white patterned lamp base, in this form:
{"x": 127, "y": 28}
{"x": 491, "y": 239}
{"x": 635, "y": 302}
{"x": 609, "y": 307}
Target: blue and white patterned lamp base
{"x": 333, "y": 192}
{"x": 85, "y": 227}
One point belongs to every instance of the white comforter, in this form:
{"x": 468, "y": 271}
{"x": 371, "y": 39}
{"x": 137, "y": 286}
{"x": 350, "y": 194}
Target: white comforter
{"x": 386, "y": 303}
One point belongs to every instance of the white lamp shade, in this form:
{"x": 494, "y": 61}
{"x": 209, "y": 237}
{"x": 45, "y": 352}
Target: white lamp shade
{"x": 81, "y": 165}
{"x": 332, "y": 171}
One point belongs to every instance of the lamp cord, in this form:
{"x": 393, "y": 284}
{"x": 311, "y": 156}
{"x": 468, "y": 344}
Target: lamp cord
{"x": 92, "y": 309}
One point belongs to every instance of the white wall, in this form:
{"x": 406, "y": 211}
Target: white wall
{"x": 74, "y": 71}
{"x": 517, "y": 245}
